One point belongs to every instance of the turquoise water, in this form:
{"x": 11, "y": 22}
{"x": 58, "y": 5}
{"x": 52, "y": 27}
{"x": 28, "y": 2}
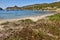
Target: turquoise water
{"x": 22, "y": 13}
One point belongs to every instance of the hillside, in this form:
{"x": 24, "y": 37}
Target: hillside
{"x": 43, "y": 6}
{"x": 50, "y": 6}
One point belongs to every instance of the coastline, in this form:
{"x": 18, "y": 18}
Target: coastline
{"x": 34, "y": 18}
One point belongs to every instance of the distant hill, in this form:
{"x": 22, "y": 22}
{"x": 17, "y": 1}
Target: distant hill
{"x": 36, "y": 6}
{"x": 13, "y": 8}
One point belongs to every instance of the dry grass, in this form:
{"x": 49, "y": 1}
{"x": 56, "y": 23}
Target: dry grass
{"x": 30, "y": 30}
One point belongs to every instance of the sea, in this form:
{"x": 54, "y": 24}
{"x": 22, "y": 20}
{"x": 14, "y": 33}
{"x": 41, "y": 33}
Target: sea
{"x": 12, "y": 14}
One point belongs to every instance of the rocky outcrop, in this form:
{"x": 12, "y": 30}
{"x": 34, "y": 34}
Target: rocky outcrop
{"x": 1, "y": 9}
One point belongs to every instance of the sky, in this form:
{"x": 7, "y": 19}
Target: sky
{"x": 19, "y": 3}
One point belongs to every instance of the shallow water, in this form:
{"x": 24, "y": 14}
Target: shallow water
{"x": 22, "y": 13}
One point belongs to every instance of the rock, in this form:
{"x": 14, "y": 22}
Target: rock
{"x": 1, "y": 9}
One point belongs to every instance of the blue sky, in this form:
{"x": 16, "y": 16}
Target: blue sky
{"x": 6, "y": 3}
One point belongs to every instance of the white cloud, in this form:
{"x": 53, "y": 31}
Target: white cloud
{"x": 57, "y": 0}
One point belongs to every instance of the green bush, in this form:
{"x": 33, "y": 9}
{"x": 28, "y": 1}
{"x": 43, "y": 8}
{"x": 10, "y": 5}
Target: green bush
{"x": 55, "y": 17}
